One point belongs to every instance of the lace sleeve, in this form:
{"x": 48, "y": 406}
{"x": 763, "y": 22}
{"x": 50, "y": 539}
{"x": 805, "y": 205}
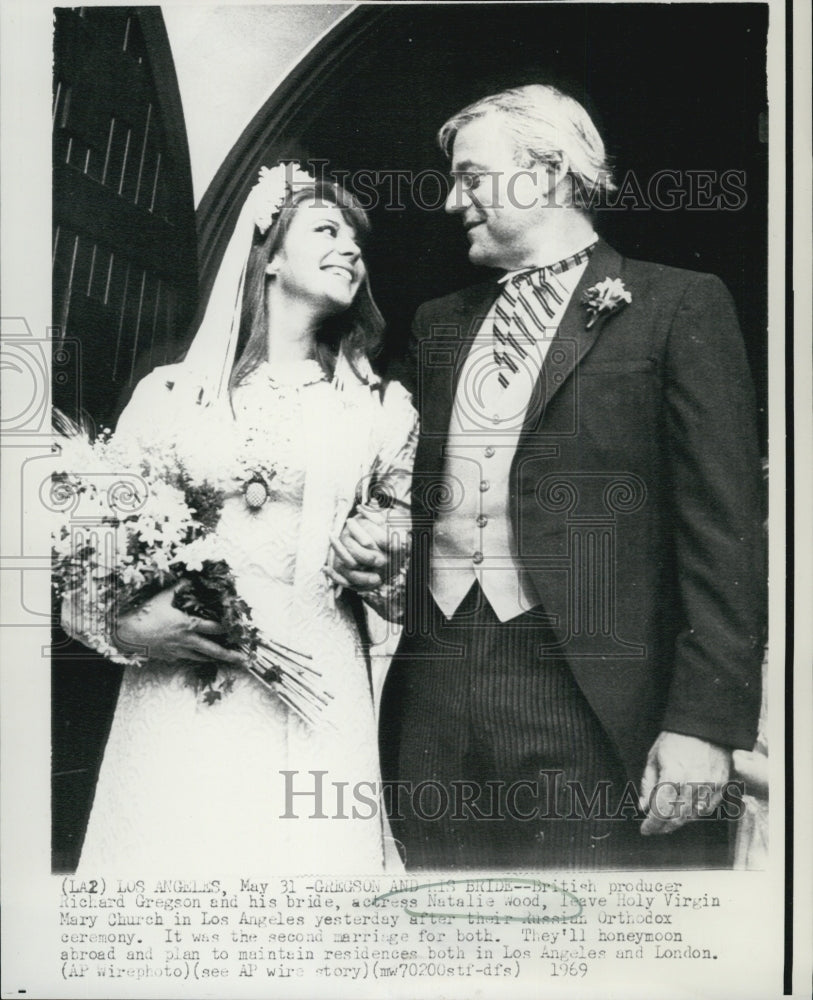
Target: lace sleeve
{"x": 389, "y": 496}
{"x": 92, "y": 624}
{"x": 90, "y": 604}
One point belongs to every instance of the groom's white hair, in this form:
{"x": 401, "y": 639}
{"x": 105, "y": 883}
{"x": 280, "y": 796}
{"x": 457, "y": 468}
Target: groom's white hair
{"x": 544, "y": 124}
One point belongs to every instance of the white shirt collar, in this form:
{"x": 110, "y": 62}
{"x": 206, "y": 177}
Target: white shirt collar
{"x": 536, "y": 267}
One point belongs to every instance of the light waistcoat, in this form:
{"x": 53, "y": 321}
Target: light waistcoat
{"x": 473, "y": 538}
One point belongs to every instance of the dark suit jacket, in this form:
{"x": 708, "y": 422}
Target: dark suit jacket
{"x": 635, "y": 497}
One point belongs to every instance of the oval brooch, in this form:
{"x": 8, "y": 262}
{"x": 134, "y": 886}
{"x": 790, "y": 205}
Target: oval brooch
{"x": 256, "y": 492}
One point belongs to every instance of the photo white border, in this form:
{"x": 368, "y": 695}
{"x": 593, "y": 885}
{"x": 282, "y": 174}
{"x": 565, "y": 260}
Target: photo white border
{"x": 25, "y": 242}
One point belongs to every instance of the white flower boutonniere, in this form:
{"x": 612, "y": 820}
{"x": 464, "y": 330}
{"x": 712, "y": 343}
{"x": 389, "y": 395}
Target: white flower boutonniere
{"x": 605, "y": 297}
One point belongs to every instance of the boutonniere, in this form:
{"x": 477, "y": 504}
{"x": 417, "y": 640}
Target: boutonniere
{"x": 605, "y": 297}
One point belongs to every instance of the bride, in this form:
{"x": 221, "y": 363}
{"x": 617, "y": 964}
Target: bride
{"x": 232, "y": 779}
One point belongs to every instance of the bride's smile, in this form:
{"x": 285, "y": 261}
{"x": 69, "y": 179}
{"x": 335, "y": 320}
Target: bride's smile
{"x": 320, "y": 261}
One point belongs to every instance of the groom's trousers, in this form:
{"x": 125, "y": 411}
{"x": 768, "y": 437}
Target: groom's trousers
{"x": 493, "y": 759}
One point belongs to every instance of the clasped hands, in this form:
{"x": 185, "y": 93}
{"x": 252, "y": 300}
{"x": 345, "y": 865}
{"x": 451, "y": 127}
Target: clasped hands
{"x": 683, "y": 780}
{"x": 366, "y": 554}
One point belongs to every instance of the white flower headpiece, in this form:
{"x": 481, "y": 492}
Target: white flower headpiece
{"x": 269, "y": 193}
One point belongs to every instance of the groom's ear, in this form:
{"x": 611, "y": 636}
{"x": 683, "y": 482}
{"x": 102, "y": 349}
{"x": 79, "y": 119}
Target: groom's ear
{"x": 557, "y": 170}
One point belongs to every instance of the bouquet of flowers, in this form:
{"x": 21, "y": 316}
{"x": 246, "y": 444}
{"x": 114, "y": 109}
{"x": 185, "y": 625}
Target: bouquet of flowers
{"x": 133, "y": 522}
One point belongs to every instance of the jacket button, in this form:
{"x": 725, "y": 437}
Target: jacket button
{"x": 477, "y": 558}
{"x": 484, "y": 485}
{"x": 481, "y": 521}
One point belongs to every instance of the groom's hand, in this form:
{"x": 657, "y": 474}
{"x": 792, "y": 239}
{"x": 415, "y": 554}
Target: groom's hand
{"x": 683, "y": 780}
{"x": 361, "y": 556}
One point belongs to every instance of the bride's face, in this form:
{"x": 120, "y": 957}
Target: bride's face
{"x": 320, "y": 260}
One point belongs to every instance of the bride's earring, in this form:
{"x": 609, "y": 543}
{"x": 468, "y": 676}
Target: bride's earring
{"x": 271, "y": 269}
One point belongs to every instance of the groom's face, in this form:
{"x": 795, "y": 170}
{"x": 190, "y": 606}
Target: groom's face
{"x": 501, "y": 205}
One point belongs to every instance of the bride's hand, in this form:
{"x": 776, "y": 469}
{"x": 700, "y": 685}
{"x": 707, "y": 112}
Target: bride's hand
{"x": 361, "y": 558}
{"x": 169, "y": 634}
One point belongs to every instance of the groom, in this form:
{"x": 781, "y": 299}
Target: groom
{"x": 586, "y": 595}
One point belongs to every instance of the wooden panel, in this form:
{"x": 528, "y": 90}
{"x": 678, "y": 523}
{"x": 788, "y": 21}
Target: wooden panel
{"x": 125, "y": 258}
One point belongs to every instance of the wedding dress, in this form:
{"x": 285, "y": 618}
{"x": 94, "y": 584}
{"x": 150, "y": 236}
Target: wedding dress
{"x": 243, "y": 784}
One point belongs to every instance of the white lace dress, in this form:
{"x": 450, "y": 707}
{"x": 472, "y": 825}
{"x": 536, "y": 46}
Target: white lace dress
{"x": 243, "y": 784}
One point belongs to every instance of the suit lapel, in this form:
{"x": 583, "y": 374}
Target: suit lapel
{"x": 453, "y": 345}
{"x": 573, "y": 340}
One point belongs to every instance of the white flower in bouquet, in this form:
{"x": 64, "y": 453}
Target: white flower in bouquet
{"x": 147, "y": 520}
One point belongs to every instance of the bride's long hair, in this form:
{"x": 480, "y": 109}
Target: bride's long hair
{"x": 357, "y": 331}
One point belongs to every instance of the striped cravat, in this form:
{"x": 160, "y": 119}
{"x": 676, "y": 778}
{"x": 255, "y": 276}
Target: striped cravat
{"x": 527, "y": 304}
